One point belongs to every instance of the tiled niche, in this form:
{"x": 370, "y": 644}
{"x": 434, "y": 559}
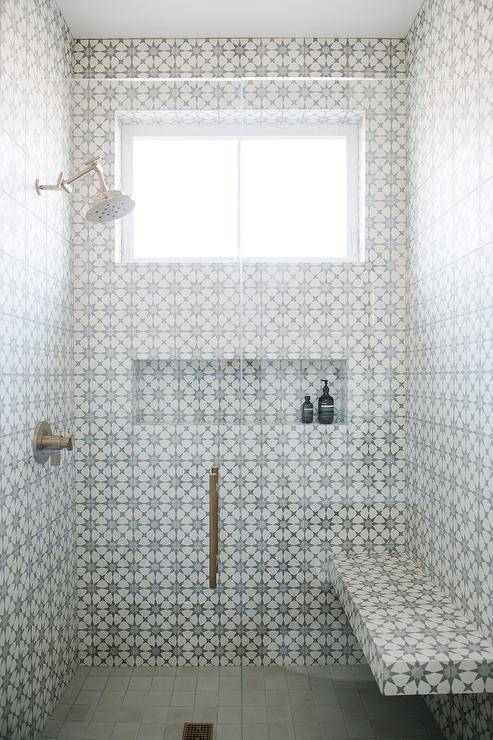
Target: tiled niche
{"x": 231, "y": 391}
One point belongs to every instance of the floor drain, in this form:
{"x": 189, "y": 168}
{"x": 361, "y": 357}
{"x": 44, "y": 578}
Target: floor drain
{"x": 198, "y": 731}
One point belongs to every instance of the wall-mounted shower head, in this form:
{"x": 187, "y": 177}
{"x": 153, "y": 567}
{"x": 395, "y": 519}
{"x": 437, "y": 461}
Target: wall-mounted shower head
{"x": 108, "y": 205}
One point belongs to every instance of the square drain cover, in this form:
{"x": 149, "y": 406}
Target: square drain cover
{"x": 198, "y": 731}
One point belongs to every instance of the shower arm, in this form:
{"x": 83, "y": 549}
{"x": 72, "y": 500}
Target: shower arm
{"x": 94, "y": 165}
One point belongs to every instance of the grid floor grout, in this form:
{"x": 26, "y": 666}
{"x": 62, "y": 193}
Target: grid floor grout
{"x": 266, "y": 703}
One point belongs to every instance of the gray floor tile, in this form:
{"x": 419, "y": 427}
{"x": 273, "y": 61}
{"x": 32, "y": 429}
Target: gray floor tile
{"x": 155, "y": 714}
{"x": 73, "y": 730}
{"x": 117, "y": 683}
{"x": 276, "y": 682}
{"x": 106, "y": 714}
{"x": 99, "y": 730}
{"x": 140, "y": 683}
{"x": 254, "y": 714}
{"x": 209, "y": 670}
{"x": 281, "y": 731}
{"x": 278, "y": 714}
{"x": 208, "y": 683}
{"x": 277, "y": 697}
{"x": 143, "y": 671}
{"x": 301, "y": 697}
{"x": 317, "y": 703}
{"x": 95, "y": 683}
{"x": 230, "y": 670}
{"x": 307, "y": 731}
{"x": 136, "y": 698}
{"x": 110, "y": 698}
{"x": 88, "y": 697}
{"x": 332, "y": 728}
{"x": 319, "y": 670}
{"x": 254, "y": 683}
{"x": 100, "y": 670}
{"x": 359, "y": 728}
{"x": 326, "y": 712}
{"x": 165, "y": 670}
{"x": 325, "y": 696}
{"x": 185, "y": 683}
{"x": 129, "y": 714}
{"x": 298, "y": 682}
{"x": 378, "y": 710}
{"x": 163, "y": 683}
{"x": 207, "y": 698}
{"x": 173, "y": 732}
{"x": 228, "y": 732}
{"x": 255, "y": 732}
{"x": 52, "y": 728}
{"x": 182, "y": 698}
{"x": 187, "y": 670}
{"x": 61, "y": 711}
{"x": 151, "y": 731}
{"x": 229, "y": 715}
{"x": 398, "y": 726}
{"x": 80, "y": 712}
{"x": 159, "y": 698}
{"x": 204, "y": 714}
{"x": 253, "y": 696}
{"x": 180, "y": 714}
{"x": 229, "y": 683}
{"x": 304, "y": 713}
{"x": 125, "y": 731}
{"x": 229, "y": 698}
{"x": 81, "y": 670}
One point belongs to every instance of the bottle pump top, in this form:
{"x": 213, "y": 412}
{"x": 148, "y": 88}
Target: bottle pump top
{"x": 325, "y": 390}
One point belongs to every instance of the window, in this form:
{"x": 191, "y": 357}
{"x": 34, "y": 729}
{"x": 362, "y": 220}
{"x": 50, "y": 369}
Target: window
{"x": 266, "y": 193}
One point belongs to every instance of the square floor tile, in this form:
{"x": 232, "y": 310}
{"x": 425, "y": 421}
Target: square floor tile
{"x": 151, "y": 731}
{"x": 228, "y": 732}
{"x": 229, "y": 715}
{"x": 155, "y": 714}
{"x": 99, "y": 730}
{"x": 281, "y": 731}
{"x": 125, "y": 731}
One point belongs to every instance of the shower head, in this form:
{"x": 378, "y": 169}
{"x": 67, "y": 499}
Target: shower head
{"x": 108, "y": 206}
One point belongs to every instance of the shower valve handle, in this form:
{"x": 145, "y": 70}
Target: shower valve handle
{"x": 47, "y": 446}
{"x": 54, "y": 443}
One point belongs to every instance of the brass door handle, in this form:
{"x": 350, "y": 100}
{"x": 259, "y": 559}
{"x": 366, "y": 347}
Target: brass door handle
{"x": 213, "y": 525}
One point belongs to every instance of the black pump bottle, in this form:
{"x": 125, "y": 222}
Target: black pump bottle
{"x": 307, "y": 411}
{"x": 325, "y": 406}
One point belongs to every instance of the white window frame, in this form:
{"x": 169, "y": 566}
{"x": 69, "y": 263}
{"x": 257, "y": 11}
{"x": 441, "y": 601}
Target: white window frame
{"x": 238, "y": 132}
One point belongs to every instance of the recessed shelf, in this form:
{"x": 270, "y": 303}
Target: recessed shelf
{"x": 233, "y": 391}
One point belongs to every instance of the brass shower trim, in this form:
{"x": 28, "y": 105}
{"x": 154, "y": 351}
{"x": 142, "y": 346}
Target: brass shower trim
{"x": 47, "y": 445}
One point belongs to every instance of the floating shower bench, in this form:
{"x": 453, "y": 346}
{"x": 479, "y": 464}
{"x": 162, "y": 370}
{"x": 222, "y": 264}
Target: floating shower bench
{"x": 415, "y": 639}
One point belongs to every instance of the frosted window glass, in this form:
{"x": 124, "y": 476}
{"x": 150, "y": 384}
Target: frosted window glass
{"x": 267, "y": 197}
{"x": 293, "y": 198}
{"x": 186, "y": 196}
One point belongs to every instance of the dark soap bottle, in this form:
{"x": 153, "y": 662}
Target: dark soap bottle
{"x": 325, "y": 406}
{"x": 307, "y": 411}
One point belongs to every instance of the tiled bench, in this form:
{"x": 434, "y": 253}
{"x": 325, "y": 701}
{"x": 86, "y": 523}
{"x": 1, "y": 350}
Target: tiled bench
{"x": 415, "y": 639}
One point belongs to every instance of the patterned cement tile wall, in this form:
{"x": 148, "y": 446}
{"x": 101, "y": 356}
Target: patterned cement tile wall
{"x": 38, "y": 613}
{"x": 449, "y": 427}
{"x": 239, "y": 57}
{"x": 290, "y": 495}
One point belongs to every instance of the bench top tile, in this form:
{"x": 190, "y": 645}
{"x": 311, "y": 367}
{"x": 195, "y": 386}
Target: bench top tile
{"x": 416, "y": 640}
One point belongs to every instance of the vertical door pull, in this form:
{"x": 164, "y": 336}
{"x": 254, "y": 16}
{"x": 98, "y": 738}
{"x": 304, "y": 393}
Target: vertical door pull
{"x": 213, "y": 525}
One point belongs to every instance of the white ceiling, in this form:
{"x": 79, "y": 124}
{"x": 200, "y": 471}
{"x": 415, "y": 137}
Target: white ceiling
{"x": 199, "y": 18}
